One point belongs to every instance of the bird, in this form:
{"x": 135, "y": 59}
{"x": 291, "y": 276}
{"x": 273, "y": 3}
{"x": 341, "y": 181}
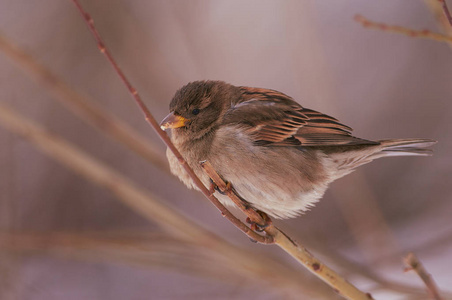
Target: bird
{"x": 277, "y": 155}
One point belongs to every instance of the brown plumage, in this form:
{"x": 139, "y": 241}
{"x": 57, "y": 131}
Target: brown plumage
{"x": 278, "y": 155}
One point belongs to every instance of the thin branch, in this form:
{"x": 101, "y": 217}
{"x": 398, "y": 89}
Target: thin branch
{"x": 145, "y": 251}
{"x": 300, "y": 253}
{"x": 370, "y": 273}
{"x": 413, "y": 263}
{"x": 155, "y": 125}
{"x": 436, "y": 8}
{"x": 446, "y": 11}
{"x": 83, "y": 106}
{"x": 252, "y": 214}
{"x": 426, "y": 34}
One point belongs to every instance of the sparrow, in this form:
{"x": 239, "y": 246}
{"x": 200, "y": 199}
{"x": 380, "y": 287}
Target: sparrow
{"x": 278, "y": 156}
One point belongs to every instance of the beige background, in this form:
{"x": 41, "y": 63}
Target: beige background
{"x": 381, "y": 84}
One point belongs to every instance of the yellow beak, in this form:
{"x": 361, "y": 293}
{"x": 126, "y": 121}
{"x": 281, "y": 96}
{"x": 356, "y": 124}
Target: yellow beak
{"x": 173, "y": 121}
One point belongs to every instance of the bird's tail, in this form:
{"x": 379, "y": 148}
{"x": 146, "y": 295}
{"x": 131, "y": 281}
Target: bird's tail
{"x": 346, "y": 162}
{"x": 404, "y": 147}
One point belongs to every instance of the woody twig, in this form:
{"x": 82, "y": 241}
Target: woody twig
{"x": 425, "y": 34}
{"x": 446, "y": 11}
{"x": 413, "y": 263}
{"x": 83, "y": 106}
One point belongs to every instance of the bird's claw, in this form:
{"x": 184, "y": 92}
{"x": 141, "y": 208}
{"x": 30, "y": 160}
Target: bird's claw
{"x": 260, "y": 227}
{"x": 214, "y": 187}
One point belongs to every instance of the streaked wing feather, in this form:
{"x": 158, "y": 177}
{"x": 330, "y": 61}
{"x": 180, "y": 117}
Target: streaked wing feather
{"x": 275, "y": 119}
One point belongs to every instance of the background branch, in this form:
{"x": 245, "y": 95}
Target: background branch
{"x": 144, "y": 250}
{"x": 446, "y": 11}
{"x": 414, "y": 264}
{"x": 437, "y": 9}
{"x": 426, "y": 34}
{"x": 83, "y": 106}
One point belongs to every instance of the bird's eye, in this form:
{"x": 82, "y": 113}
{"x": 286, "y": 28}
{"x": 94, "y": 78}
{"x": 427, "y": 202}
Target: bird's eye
{"x": 195, "y": 111}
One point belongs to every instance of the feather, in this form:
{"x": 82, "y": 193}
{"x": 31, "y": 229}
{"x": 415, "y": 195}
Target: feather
{"x": 275, "y": 119}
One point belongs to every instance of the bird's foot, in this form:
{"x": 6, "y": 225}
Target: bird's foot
{"x": 214, "y": 187}
{"x": 260, "y": 227}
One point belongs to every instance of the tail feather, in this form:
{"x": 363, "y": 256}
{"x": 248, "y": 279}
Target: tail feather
{"x": 399, "y": 147}
{"x": 348, "y": 161}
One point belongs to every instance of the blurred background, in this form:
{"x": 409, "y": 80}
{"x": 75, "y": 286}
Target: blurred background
{"x": 65, "y": 236}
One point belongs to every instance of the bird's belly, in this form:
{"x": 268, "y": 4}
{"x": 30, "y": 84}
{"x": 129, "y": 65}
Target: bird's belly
{"x": 274, "y": 198}
{"x": 280, "y": 181}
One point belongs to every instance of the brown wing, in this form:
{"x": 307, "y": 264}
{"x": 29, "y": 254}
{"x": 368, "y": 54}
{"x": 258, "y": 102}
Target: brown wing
{"x": 275, "y": 119}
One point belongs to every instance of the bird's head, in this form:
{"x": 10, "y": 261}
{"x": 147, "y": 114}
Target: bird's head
{"x": 199, "y": 107}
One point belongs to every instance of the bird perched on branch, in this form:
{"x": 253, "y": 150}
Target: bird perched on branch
{"x": 277, "y": 155}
